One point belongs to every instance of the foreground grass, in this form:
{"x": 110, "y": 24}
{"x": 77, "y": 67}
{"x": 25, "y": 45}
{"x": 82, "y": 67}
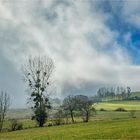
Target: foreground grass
{"x": 104, "y": 125}
{"x": 106, "y": 129}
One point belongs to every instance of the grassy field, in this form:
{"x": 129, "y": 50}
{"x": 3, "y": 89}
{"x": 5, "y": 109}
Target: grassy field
{"x": 125, "y": 129}
{"x": 112, "y": 105}
{"x": 103, "y": 125}
{"x": 99, "y": 116}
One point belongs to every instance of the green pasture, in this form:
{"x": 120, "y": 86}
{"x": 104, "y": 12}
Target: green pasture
{"x": 123, "y": 129}
{"x": 108, "y": 124}
{"x": 112, "y": 105}
{"x": 99, "y": 115}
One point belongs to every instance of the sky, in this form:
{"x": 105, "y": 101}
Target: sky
{"x": 93, "y": 43}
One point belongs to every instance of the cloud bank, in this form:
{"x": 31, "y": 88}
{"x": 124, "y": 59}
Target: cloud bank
{"x": 77, "y": 35}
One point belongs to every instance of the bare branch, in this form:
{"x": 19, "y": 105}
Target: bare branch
{"x": 4, "y": 106}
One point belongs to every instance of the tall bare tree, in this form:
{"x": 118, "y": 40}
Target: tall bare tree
{"x": 4, "y": 106}
{"x": 37, "y": 74}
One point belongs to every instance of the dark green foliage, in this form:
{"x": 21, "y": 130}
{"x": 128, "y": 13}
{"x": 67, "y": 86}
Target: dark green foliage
{"x": 102, "y": 109}
{"x": 121, "y": 109}
{"x": 40, "y": 110}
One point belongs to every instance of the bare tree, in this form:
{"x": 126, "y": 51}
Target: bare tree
{"x": 37, "y": 74}
{"x": 4, "y": 106}
{"x": 69, "y": 105}
{"x": 84, "y": 104}
{"x": 128, "y": 92}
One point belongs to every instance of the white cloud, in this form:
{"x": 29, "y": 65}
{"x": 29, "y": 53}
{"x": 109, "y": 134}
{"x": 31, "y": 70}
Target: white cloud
{"x": 83, "y": 47}
{"x": 131, "y": 12}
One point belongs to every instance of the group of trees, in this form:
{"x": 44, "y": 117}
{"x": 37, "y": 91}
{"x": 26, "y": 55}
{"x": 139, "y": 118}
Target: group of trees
{"x": 37, "y": 75}
{"x": 78, "y": 103}
{"x": 114, "y": 92}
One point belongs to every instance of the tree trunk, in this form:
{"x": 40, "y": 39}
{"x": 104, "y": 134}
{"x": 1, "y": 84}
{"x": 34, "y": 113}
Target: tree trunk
{"x": 87, "y": 116}
{"x": 1, "y": 124}
{"x": 40, "y": 124}
{"x": 72, "y": 118}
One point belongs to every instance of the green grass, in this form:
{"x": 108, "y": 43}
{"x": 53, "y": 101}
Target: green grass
{"x": 112, "y": 105}
{"x": 107, "y": 129}
{"x": 100, "y": 115}
{"x": 27, "y": 123}
{"x": 104, "y": 125}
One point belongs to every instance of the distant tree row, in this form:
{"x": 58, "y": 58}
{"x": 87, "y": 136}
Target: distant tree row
{"x": 119, "y": 93}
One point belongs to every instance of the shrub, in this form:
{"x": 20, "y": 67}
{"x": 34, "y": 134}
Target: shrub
{"x": 102, "y": 109}
{"x": 15, "y": 125}
{"x": 50, "y": 124}
{"x": 120, "y": 109}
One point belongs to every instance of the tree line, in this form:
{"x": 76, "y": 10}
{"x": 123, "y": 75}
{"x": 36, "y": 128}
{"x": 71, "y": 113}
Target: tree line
{"x": 119, "y": 93}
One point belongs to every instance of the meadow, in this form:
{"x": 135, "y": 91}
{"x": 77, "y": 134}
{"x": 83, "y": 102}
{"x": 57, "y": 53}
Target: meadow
{"x": 112, "y": 105}
{"x": 107, "y": 124}
{"x": 105, "y": 129}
